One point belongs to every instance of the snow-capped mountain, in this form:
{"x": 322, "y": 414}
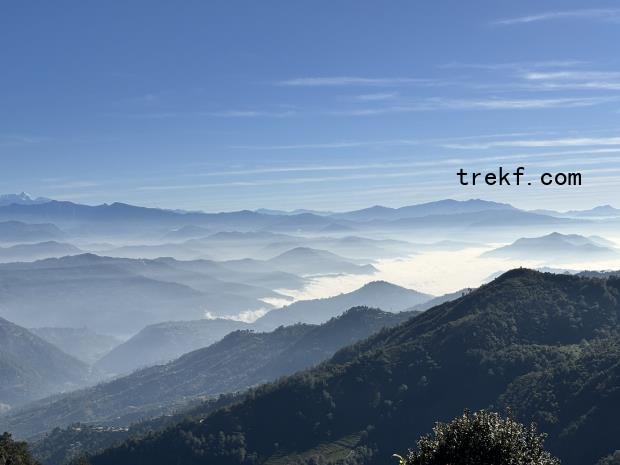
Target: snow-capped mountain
{"x": 22, "y": 199}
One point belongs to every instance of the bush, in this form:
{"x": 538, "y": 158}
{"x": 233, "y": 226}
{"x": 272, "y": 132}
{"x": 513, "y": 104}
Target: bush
{"x": 13, "y": 452}
{"x": 481, "y": 438}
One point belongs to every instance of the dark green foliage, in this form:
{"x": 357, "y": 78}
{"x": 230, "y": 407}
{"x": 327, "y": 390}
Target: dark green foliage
{"x": 481, "y": 438}
{"x": 574, "y": 400}
{"x": 544, "y": 345}
{"x": 66, "y": 445}
{"x": 13, "y": 452}
{"x": 82, "y": 460}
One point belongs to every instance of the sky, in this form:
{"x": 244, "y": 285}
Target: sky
{"x": 329, "y": 105}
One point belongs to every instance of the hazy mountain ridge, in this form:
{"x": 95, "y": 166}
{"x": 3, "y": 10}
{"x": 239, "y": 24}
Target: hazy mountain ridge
{"x": 123, "y": 218}
{"x": 17, "y": 232}
{"x": 241, "y": 271}
{"x": 240, "y": 360}
{"x": 441, "y": 207}
{"x": 104, "y": 289}
{"x": 31, "y": 368}
{"x": 473, "y": 352}
{"x": 21, "y": 199}
{"x": 236, "y": 262}
{"x": 374, "y": 294}
{"x": 307, "y": 261}
{"x": 179, "y": 251}
{"x": 37, "y": 251}
{"x": 187, "y": 232}
{"x": 164, "y": 341}
{"x": 119, "y": 218}
{"x": 602, "y": 211}
{"x": 557, "y": 247}
{"x": 81, "y": 343}
{"x": 144, "y": 292}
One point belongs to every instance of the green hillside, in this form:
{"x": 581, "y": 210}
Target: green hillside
{"x": 544, "y": 345}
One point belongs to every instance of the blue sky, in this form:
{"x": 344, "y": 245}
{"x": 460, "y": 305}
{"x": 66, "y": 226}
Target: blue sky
{"x": 225, "y": 105}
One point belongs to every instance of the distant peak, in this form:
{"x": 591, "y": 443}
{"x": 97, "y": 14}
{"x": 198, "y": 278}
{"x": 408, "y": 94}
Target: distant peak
{"x": 303, "y": 251}
{"x": 79, "y": 258}
{"x": 23, "y": 198}
{"x": 517, "y": 273}
{"x": 361, "y": 310}
{"x": 605, "y": 207}
{"x": 380, "y": 284}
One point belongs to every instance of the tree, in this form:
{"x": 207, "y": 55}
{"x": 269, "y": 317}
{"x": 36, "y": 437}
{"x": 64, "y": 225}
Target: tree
{"x": 13, "y": 452}
{"x": 481, "y": 438}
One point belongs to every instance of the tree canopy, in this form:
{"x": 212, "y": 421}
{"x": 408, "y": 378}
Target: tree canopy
{"x": 14, "y": 452}
{"x": 481, "y": 438}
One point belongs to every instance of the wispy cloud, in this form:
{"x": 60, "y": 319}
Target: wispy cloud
{"x": 435, "y": 104}
{"x": 342, "y": 81}
{"x": 523, "y": 104}
{"x": 539, "y": 143}
{"x": 253, "y": 114}
{"x": 388, "y": 142}
{"x": 574, "y": 79}
{"x": 376, "y": 97}
{"x": 572, "y": 75}
{"x": 18, "y": 139}
{"x": 425, "y": 172}
{"x": 75, "y": 185}
{"x": 515, "y": 65}
{"x": 387, "y": 169}
{"x": 208, "y": 114}
{"x": 284, "y": 181}
{"x": 609, "y": 15}
{"x": 329, "y": 145}
{"x": 386, "y": 165}
{"x": 588, "y": 85}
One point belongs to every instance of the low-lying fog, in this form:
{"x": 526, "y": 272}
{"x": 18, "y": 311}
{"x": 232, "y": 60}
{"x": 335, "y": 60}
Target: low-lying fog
{"x": 437, "y": 273}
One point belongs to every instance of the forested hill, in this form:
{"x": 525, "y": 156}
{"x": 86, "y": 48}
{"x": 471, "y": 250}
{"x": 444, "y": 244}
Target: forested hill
{"x": 545, "y": 345}
{"x": 240, "y": 360}
{"x": 31, "y": 368}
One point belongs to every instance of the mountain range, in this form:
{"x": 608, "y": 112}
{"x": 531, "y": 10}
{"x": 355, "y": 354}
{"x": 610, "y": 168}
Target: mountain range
{"x": 121, "y": 295}
{"x": 123, "y": 220}
{"x": 162, "y": 342}
{"x": 183, "y": 289}
{"x": 307, "y": 261}
{"x": 19, "y": 232}
{"x": 545, "y": 345}
{"x": 21, "y": 199}
{"x": 240, "y": 360}
{"x": 558, "y": 248}
{"x": 600, "y": 212}
{"x": 380, "y": 294}
{"x": 264, "y": 245}
{"x": 441, "y": 207}
{"x": 31, "y": 368}
{"x": 37, "y": 251}
{"x": 165, "y": 341}
{"x": 81, "y": 343}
